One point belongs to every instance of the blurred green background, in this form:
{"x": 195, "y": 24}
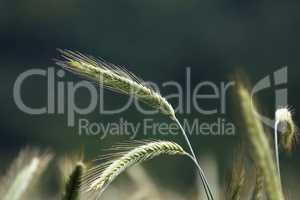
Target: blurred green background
{"x": 156, "y": 40}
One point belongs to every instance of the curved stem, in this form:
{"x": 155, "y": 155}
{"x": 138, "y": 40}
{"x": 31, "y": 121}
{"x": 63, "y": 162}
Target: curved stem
{"x": 277, "y": 149}
{"x": 194, "y": 158}
{"x": 202, "y": 177}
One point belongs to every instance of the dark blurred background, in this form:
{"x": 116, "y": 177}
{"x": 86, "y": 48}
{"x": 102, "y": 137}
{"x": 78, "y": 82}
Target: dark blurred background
{"x": 154, "y": 39}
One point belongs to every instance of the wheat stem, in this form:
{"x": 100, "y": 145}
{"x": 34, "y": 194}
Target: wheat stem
{"x": 276, "y": 148}
{"x": 196, "y": 162}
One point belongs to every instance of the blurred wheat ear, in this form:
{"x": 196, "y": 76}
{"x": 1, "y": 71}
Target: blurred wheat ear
{"x": 72, "y": 187}
{"x": 258, "y": 193}
{"x": 237, "y": 179}
{"x": 23, "y": 173}
{"x": 285, "y": 126}
{"x": 146, "y": 188}
{"x": 261, "y": 150}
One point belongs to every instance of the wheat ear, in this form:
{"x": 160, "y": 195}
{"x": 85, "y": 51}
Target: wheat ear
{"x": 285, "y": 126}
{"x": 72, "y": 187}
{"x": 23, "y": 173}
{"x": 258, "y": 193}
{"x": 120, "y": 80}
{"x": 261, "y": 148}
{"x": 114, "y": 78}
{"x": 98, "y": 178}
{"x": 237, "y": 180}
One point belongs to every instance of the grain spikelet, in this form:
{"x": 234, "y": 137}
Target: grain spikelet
{"x": 99, "y": 178}
{"x": 114, "y": 78}
{"x": 72, "y": 187}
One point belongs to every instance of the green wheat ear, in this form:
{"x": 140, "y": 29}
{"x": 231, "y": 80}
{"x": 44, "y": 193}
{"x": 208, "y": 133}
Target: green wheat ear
{"x": 237, "y": 180}
{"x": 114, "y": 78}
{"x": 72, "y": 188}
{"x": 258, "y": 193}
{"x": 262, "y": 152}
{"x": 100, "y": 177}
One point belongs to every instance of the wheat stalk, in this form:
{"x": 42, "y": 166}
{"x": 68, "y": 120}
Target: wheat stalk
{"x": 98, "y": 178}
{"x": 261, "y": 148}
{"x": 120, "y": 80}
